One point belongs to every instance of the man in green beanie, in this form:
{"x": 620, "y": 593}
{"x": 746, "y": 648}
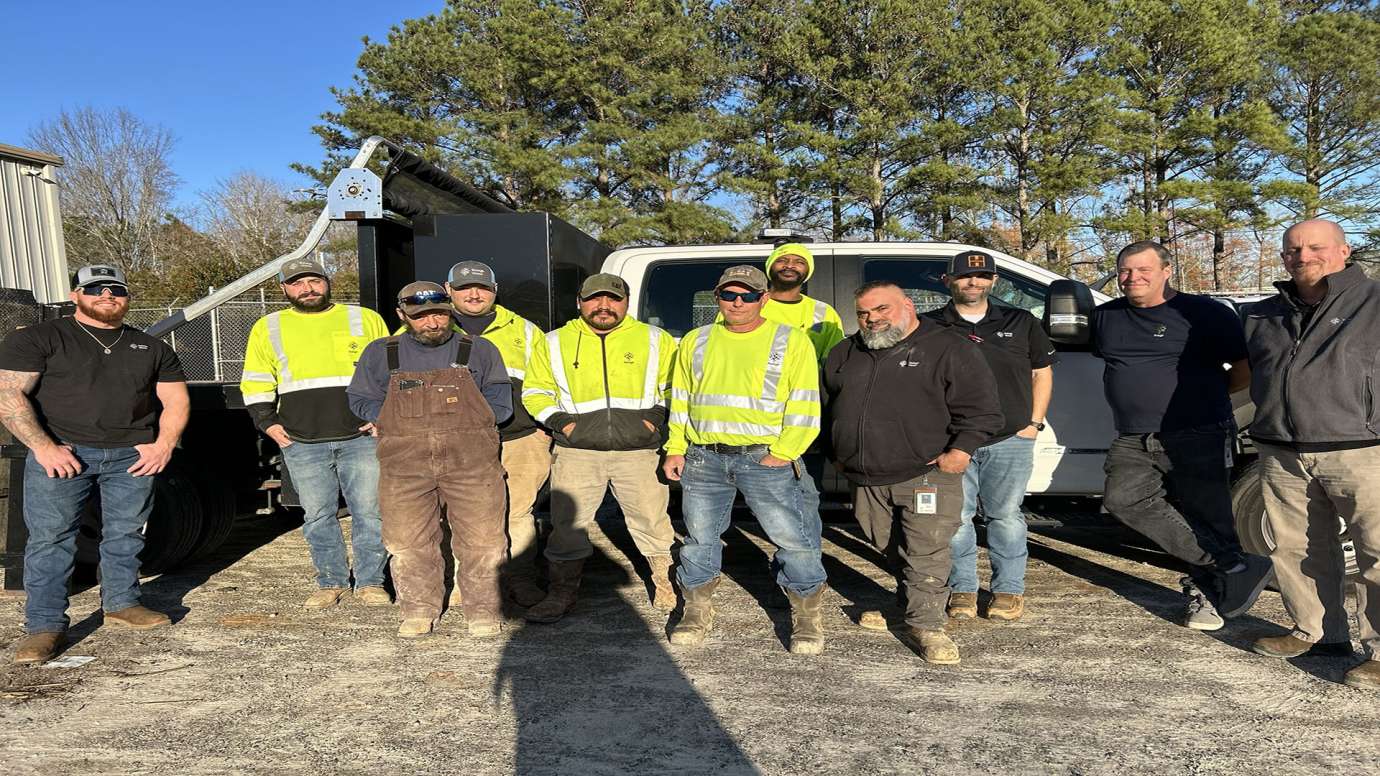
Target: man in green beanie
{"x": 788, "y": 267}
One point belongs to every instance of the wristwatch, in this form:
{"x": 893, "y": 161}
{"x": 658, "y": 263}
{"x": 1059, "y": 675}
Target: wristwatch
{"x": 1038, "y": 424}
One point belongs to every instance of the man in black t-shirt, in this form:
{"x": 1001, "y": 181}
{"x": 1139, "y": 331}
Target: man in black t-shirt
{"x": 1168, "y": 471}
{"x": 84, "y": 395}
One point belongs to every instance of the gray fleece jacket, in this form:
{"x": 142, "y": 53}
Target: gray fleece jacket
{"x": 1314, "y": 377}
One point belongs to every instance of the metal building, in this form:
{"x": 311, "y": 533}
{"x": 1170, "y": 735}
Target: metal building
{"x": 31, "y": 247}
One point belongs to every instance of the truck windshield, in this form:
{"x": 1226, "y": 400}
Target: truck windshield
{"x": 920, "y": 278}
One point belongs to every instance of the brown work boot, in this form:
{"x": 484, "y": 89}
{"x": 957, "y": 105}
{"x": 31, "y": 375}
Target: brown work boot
{"x": 1290, "y": 645}
{"x": 324, "y": 598}
{"x": 933, "y": 646}
{"x": 663, "y": 583}
{"x": 1004, "y": 606}
{"x": 962, "y": 606}
{"x": 39, "y": 647}
{"x": 138, "y": 618}
{"x": 807, "y": 622}
{"x": 874, "y": 620}
{"x": 698, "y": 616}
{"x": 523, "y": 588}
{"x": 416, "y": 627}
{"x": 373, "y": 595}
{"x": 1365, "y": 676}
{"x": 560, "y": 598}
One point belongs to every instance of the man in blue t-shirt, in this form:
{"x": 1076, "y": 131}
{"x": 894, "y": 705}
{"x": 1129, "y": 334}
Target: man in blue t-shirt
{"x": 1172, "y": 361}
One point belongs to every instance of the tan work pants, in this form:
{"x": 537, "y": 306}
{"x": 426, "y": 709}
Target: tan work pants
{"x": 527, "y": 464}
{"x": 579, "y": 479}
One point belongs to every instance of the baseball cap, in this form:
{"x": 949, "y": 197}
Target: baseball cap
{"x": 98, "y": 274}
{"x": 472, "y": 273}
{"x": 971, "y": 263}
{"x": 604, "y": 283}
{"x": 291, "y": 270}
{"x": 423, "y": 296}
{"x": 744, "y": 275}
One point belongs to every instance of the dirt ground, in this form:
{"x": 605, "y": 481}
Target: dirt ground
{"x": 1096, "y": 679}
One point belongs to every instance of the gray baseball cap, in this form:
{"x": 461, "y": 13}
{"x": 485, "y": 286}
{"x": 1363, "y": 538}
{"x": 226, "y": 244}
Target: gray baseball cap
{"x": 745, "y": 275}
{"x": 297, "y": 268}
{"x": 472, "y": 273}
{"x": 98, "y": 274}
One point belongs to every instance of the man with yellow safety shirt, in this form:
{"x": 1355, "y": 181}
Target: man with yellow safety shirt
{"x": 297, "y": 364}
{"x": 788, "y": 268}
{"x": 599, "y": 383}
{"x": 745, "y": 405}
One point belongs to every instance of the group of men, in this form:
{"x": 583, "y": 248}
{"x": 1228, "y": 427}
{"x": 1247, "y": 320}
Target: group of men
{"x": 463, "y": 414}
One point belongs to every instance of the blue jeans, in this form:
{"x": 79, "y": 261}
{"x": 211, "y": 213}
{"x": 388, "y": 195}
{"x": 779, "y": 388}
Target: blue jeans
{"x": 998, "y": 474}
{"x": 709, "y": 483}
{"x": 321, "y": 471}
{"x": 52, "y": 512}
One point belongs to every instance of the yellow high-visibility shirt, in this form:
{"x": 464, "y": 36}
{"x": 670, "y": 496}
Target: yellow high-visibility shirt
{"x": 817, "y": 319}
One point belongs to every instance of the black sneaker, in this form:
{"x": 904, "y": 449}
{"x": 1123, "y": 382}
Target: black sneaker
{"x": 1239, "y": 589}
{"x": 1199, "y": 613}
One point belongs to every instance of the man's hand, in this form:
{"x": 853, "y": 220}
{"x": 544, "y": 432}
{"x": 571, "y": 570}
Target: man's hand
{"x": 673, "y": 466}
{"x": 368, "y": 428}
{"x": 569, "y": 427}
{"x": 1029, "y": 432}
{"x": 153, "y": 458}
{"x": 278, "y": 434}
{"x": 952, "y": 461}
{"x": 58, "y": 461}
{"x": 774, "y": 462}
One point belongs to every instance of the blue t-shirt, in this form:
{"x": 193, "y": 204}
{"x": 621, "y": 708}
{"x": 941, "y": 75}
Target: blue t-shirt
{"x": 1164, "y": 365}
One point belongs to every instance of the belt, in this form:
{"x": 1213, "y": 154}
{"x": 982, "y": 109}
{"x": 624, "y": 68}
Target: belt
{"x": 732, "y": 449}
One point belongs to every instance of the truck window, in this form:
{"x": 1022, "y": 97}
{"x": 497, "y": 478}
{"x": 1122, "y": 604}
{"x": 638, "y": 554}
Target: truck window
{"x": 920, "y": 278}
{"x": 679, "y": 295}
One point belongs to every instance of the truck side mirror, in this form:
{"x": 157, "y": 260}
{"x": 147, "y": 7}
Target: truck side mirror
{"x": 1068, "y": 312}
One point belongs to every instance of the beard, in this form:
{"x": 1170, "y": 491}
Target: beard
{"x": 112, "y": 315}
{"x": 313, "y": 305}
{"x": 784, "y": 284}
{"x": 430, "y": 338}
{"x": 603, "y": 324}
{"x": 882, "y": 338}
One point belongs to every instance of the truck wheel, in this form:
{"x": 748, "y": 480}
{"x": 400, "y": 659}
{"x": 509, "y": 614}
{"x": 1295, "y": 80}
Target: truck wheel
{"x": 172, "y": 530}
{"x": 1248, "y": 512}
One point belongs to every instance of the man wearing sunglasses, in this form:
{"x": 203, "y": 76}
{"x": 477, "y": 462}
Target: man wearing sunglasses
{"x": 84, "y": 394}
{"x": 435, "y": 397}
{"x": 297, "y": 364}
{"x": 744, "y": 407}
{"x": 599, "y": 382}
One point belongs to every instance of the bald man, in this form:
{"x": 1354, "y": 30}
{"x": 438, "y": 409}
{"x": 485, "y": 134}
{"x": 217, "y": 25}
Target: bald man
{"x": 1314, "y": 381}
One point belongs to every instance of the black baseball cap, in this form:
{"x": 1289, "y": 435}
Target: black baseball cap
{"x": 971, "y": 263}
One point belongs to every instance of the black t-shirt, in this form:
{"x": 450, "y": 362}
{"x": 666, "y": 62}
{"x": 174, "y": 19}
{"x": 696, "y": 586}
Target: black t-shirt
{"x": 85, "y": 396}
{"x": 1014, "y": 344}
{"x": 1164, "y": 364}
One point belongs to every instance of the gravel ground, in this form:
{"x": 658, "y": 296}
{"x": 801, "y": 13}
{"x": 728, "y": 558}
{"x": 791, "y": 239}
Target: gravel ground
{"x": 1096, "y": 679}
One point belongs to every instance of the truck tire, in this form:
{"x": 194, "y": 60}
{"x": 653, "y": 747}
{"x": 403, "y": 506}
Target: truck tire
{"x": 172, "y": 530}
{"x": 1248, "y": 512}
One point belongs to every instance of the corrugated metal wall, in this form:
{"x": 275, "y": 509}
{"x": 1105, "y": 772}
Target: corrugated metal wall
{"x": 31, "y": 247}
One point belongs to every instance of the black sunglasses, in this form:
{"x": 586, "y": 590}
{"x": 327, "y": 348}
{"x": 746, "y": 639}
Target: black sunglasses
{"x": 425, "y": 297}
{"x": 117, "y": 291}
{"x": 746, "y": 296}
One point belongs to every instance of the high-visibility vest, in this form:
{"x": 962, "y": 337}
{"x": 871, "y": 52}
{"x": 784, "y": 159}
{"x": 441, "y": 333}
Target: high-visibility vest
{"x": 817, "y": 319}
{"x": 754, "y": 388}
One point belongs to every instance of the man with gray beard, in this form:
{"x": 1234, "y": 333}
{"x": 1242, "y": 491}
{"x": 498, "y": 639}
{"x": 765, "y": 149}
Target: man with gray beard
{"x": 909, "y": 402}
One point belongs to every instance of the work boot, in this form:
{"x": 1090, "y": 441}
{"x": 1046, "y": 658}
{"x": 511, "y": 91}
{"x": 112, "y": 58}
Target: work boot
{"x": 324, "y": 598}
{"x": 373, "y": 595}
{"x": 39, "y": 647}
{"x": 416, "y": 627}
{"x": 1365, "y": 676}
{"x": 933, "y": 646}
{"x": 483, "y": 627}
{"x": 962, "y": 606}
{"x": 698, "y": 616}
{"x": 560, "y": 598}
{"x": 807, "y": 622}
{"x": 1290, "y": 645}
{"x": 138, "y": 618}
{"x": 1006, "y": 606}
{"x": 523, "y": 588}
{"x": 456, "y": 598}
{"x": 877, "y": 619}
{"x": 663, "y": 584}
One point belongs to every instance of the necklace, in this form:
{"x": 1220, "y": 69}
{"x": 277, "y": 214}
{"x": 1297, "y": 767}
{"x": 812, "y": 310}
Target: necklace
{"x": 98, "y": 339}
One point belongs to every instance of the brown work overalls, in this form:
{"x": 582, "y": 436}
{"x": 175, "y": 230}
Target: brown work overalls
{"x": 438, "y": 446}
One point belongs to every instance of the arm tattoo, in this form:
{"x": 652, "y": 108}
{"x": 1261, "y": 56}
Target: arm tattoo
{"x": 17, "y": 412}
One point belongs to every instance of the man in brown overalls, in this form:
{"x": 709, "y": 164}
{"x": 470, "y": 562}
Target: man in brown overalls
{"x": 435, "y": 396}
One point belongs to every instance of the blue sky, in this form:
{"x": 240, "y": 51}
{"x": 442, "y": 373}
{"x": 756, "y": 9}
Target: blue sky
{"x": 239, "y": 84}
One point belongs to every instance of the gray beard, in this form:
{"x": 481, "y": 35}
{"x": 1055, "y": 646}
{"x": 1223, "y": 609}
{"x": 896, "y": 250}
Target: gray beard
{"x": 430, "y": 339}
{"x": 881, "y": 340}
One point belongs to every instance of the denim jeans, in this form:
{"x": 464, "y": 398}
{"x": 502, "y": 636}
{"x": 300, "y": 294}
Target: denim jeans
{"x": 52, "y": 513}
{"x": 709, "y": 483}
{"x": 998, "y": 475}
{"x": 1175, "y": 488}
{"x": 321, "y": 471}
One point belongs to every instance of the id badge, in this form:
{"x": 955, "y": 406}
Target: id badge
{"x": 926, "y": 501}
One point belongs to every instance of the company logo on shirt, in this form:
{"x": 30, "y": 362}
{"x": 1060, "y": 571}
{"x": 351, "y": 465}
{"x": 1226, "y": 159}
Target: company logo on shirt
{"x": 1337, "y": 321}
{"x": 1006, "y": 334}
{"x": 627, "y": 358}
{"x": 137, "y": 346}
{"x": 776, "y": 358}
{"x": 1160, "y": 329}
{"x": 904, "y": 363}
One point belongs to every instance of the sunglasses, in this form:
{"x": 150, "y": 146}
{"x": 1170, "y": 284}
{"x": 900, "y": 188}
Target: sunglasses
{"x": 116, "y": 291}
{"x": 425, "y": 297}
{"x": 746, "y": 296}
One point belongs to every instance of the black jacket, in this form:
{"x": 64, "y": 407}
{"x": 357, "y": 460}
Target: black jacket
{"x": 893, "y": 411}
{"x": 1314, "y": 377}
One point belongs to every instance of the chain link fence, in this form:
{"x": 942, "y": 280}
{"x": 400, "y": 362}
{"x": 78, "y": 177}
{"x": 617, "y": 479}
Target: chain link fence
{"x": 212, "y": 347}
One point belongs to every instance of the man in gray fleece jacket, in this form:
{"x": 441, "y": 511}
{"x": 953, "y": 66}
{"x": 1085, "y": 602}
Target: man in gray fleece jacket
{"x": 1313, "y": 352}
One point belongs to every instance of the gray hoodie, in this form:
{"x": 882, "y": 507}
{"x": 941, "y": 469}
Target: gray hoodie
{"x": 1313, "y": 378}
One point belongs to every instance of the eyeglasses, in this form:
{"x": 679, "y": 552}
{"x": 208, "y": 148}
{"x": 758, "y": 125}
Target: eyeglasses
{"x": 425, "y": 297}
{"x": 746, "y": 296}
{"x": 116, "y": 291}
